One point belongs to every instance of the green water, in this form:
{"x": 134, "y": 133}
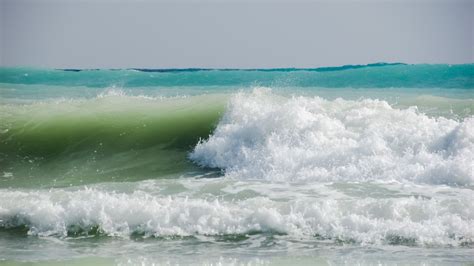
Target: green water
{"x": 61, "y": 143}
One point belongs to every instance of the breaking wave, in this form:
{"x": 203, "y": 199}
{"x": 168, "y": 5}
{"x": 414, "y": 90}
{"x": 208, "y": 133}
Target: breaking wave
{"x": 264, "y": 136}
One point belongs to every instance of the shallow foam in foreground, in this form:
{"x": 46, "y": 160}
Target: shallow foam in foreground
{"x": 394, "y": 219}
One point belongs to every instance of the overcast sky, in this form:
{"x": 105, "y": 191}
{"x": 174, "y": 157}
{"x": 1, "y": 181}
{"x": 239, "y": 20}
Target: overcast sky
{"x": 233, "y": 34}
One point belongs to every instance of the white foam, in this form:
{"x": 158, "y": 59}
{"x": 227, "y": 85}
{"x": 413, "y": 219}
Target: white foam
{"x": 263, "y": 136}
{"x": 419, "y": 220}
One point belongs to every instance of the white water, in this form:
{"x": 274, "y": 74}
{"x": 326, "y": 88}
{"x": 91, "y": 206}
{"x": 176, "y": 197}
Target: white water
{"x": 360, "y": 213}
{"x": 263, "y": 136}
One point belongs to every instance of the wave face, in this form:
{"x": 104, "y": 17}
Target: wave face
{"x": 369, "y": 76}
{"x": 262, "y": 136}
{"x": 107, "y": 138}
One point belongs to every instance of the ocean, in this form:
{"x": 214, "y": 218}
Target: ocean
{"x": 365, "y": 164}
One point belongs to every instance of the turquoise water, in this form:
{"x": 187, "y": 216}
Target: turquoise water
{"x": 340, "y": 165}
{"x": 371, "y": 76}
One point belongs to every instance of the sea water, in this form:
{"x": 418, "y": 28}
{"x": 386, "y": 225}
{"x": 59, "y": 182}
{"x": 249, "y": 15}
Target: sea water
{"x": 347, "y": 165}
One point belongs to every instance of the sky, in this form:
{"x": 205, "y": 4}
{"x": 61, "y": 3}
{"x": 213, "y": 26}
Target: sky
{"x": 233, "y": 34}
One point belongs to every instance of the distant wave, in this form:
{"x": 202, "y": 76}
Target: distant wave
{"x": 379, "y": 75}
{"x": 317, "y": 69}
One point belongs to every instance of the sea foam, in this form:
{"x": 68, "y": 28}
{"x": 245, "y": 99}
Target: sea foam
{"x": 410, "y": 220}
{"x": 264, "y": 136}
